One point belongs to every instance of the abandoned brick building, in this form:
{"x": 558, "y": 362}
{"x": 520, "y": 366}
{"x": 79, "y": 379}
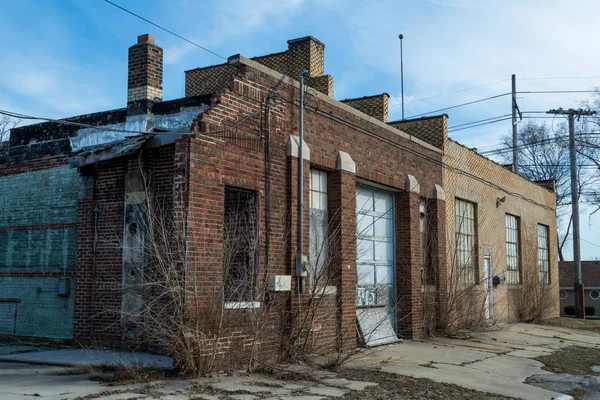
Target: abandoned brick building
{"x": 74, "y": 197}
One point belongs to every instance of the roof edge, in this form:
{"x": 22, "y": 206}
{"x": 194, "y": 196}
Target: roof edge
{"x": 239, "y": 59}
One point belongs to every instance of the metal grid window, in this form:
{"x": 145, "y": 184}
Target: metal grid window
{"x": 543, "y": 253}
{"x": 318, "y": 246}
{"x": 465, "y": 241}
{"x": 512, "y": 249}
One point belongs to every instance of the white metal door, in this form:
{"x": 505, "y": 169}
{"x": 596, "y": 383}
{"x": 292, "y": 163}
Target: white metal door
{"x": 489, "y": 293}
{"x": 375, "y": 250}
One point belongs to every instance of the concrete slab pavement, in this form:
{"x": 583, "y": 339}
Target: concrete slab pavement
{"x": 497, "y": 361}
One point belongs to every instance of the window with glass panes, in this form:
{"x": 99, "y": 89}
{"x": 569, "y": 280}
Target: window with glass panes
{"x": 318, "y": 246}
{"x": 465, "y": 240}
{"x": 512, "y": 249}
{"x": 543, "y": 253}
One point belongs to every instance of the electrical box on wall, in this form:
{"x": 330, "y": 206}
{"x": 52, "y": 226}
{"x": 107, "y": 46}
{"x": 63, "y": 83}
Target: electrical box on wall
{"x": 280, "y": 283}
{"x": 64, "y": 287}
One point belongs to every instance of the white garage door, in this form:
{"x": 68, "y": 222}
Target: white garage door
{"x": 375, "y": 249}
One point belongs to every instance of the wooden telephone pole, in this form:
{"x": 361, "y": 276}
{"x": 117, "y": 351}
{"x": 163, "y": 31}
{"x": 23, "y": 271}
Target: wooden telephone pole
{"x": 577, "y": 285}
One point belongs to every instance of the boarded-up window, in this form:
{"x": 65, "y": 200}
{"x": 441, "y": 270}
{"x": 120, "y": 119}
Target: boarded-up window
{"x": 428, "y": 272}
{"x": 240, "y": 245}
{"x": 513, "y": 259}
{"x": 543, "y": 253}
{"x": 466, "y": 241}
{"x": 318, "y": 247}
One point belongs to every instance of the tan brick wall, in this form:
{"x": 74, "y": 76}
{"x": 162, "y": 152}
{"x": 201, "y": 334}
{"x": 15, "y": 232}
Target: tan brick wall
{"x": 432, "y": 130}
{"x": 532, "y": 203}
{"x": 374, "y": 106}
{"x": 303, "y": 53}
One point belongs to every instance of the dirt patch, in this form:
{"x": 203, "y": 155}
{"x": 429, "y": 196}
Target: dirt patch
{"x": 573, "y": 360}
{"x": 81, "y": 369}
{"x": 126, "y": 375}
{"x": 574, "y": 323}
{"x": 392, "y": 386}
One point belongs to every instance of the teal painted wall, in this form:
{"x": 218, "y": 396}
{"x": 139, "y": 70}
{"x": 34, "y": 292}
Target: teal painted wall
{"x": 43, "y": 250}
{"x": 39, "y": 198}
{"x": 43, "y": 314}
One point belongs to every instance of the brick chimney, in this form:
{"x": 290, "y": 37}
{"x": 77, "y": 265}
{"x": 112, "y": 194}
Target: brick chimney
{"x": 307, "y": 53}
{"x": 144, "y": 83}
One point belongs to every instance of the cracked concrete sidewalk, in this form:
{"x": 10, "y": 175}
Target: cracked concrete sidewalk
{"x": 24, "y": 381}
{"x": 497, "y": 361}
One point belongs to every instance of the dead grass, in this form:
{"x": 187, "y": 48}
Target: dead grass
{"x": 392, "y": 386}
{"x": 125, "y": 375}
{"x": 574, "y": 360}
{"x": 574, "y": 323}
{"x": 81, "y": 369}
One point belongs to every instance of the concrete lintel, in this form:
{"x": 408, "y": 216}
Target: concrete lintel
{"x": 412, "y": 185}
{"x": 293, "y": 146}
{"x": 439, "y": 192}
{"x": 345, "y": 163}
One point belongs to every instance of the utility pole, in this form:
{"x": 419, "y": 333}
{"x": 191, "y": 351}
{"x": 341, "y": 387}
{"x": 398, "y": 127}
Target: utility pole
{"x": 401, "y": 37}
{"x": 577, "y": 285}
{"x": 515, "y": 138}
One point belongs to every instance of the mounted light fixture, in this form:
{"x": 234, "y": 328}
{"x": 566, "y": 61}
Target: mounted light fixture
{"x": 500, "y": 201}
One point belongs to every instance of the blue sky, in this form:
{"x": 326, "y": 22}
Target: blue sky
{"x": 69, "y": 57}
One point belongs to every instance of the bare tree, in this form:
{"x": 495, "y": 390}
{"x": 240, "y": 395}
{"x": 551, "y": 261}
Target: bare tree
{"x": 6, "y": 124}
{"x": 544, "y": 155}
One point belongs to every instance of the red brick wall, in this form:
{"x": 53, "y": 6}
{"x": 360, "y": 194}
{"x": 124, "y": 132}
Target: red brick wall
{"x": 381, "y": 156}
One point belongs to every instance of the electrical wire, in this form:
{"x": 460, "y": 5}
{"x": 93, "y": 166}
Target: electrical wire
{"x": 460, "y": 105}
{"x": 556, "y": 91}
{"x": 107, "y": 129}
{"x": 165, "y": 29}
{"x": 559, "y": 78}
{"x": 341, "y": 120}
{"x": 439, "y": 162}
{"x": 456, "y": 91}
{"x": 588, "y": 242}
{"x": 475, "y": 126}
{"x": 481, "y": 120}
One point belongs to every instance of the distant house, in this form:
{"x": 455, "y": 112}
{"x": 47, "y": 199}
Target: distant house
{"x": 590, "y": 276}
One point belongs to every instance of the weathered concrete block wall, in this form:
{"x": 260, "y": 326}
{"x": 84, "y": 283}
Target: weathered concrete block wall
{"x": 38, "y": 242}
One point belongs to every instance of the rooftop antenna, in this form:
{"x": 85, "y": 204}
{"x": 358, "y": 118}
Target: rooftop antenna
{"x": 401, "y": 36}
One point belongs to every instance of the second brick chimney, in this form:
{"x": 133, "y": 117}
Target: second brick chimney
{"x": 144, "y": 83}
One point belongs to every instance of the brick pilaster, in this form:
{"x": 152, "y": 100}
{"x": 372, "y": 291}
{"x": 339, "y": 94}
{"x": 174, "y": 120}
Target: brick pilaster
{"x": 409, "y": 314}
{"x": 342, "y": 208}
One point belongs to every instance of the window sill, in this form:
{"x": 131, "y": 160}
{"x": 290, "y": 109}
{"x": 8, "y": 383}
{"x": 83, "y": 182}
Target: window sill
{"x": 324, "y": 290}
{"x": 236, "y": 305}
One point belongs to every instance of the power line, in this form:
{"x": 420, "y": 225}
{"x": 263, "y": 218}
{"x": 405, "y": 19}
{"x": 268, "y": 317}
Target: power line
{"x": 481, "y": 120}
{"x": 559, "y": 78}
{"x": 588, "y": 242}
{"x": 456, "y": 91}
{"x": 460, "y": 105}
{"x": 475, "y": 126}
{"x": 422, "y": 155}
{"x": 165, "y": 29}
{"x": 556, "y": 91}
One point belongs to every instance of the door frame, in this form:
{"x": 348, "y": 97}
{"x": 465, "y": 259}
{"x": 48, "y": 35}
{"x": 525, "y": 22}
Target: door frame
{"x": 361, "y": 184}
{"x": 489, "y": 290}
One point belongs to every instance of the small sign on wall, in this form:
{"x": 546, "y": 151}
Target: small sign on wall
{"x": 366, "y": 297}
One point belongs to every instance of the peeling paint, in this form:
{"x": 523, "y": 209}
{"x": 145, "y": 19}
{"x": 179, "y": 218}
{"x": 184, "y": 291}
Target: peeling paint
{"x": 88, "y": 137}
